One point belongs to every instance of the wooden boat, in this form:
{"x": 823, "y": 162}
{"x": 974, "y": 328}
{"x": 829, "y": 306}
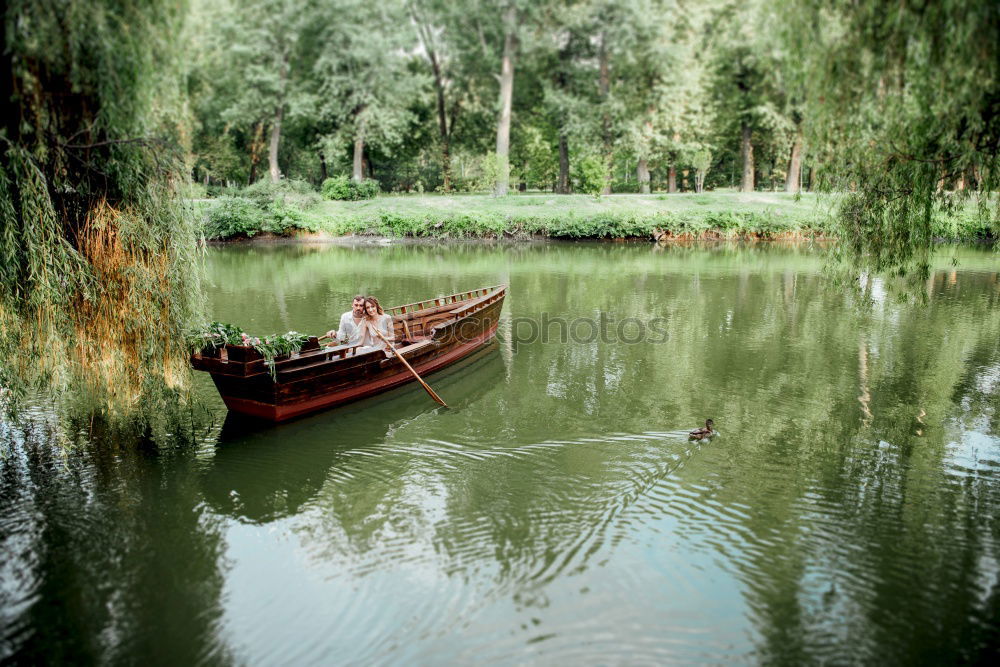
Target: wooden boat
{"x": 430, "y": 335}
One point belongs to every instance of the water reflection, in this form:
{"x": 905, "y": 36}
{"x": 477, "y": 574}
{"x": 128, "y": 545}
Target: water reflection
{"x": 847, "y": 513}
{"x": 108, "y": 554}
{"x": 254, "y": 477}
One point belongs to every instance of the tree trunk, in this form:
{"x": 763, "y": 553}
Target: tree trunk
{"x": 562, "y": 185}
{"x": 794, "y": 165}
{"x": 642, "y": 167}
{"x": 442, "y": 125}
{"x": 699, "y": 181}
{"x": 642, "y": 175}
{"x": 746, "y": 156}
{"x": 605, "y": 89}
{"x": 272, "y": 152}
{"x": 255, "y": 144}
{"x": 322, "y": 167}
{"x": 426, "y": 35}
{"x": 560, "y": 80}
{"x": 506, "y": 95}
{"x": 672, "y": 180}
{"x": 684, "y": 180}
{"x": 359, "y": 155}
{"x": 446, "y": 164}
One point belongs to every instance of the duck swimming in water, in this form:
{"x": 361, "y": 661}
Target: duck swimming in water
{"x": 703, "y": 433}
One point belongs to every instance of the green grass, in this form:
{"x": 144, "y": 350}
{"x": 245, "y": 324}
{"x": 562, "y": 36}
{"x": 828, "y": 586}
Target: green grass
{"x": 727, "y": 214}
{"x": 710, "y": 215}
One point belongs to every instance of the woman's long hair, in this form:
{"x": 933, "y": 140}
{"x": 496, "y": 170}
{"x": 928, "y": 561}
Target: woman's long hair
{"x": 378, "y": 307}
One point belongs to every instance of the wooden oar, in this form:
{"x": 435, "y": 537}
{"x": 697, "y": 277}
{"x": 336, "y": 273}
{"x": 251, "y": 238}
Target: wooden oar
{"x": 409, "y": 367}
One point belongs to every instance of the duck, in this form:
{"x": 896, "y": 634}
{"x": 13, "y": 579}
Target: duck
{"x": 703, "y": 433}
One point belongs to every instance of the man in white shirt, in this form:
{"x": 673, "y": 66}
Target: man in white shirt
{"x": 350, "y": 331}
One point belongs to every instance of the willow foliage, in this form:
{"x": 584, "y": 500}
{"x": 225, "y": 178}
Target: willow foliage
{"x": 97, "y": 256}
{"x": 904, "y": 108}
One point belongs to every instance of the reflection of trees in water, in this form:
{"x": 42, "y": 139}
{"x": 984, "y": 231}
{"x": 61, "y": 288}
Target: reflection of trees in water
{"x": 108, "y": 554}
{"x": 832, "y": 529}
{"x": 844, "y": 515}
{"x": 870, "y": 517}
{"x": 385, "y": 488}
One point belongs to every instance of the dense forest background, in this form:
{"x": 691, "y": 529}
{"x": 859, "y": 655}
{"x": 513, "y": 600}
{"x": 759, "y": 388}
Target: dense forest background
{"x": 422, "y": 95}
{"x": 428, "y": 95}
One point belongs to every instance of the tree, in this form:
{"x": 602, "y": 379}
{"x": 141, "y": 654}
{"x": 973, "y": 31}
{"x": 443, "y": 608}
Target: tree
{"x": 506, "y": 80}
{"x": 365, "y": 86}
{"x": 661, "y": 85}
{"x": 904, "y": 109}
{"x": 269, "y": 48}
{"x": 429, "y": 35}
{"x": 96, "y": 254}
{"x": 463, "y": 44}
{"x": 560, "y": 54}
{"x": 750, "y": 102}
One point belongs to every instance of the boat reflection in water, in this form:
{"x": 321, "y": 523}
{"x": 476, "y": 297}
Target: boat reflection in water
{"x": 255, "y": 479}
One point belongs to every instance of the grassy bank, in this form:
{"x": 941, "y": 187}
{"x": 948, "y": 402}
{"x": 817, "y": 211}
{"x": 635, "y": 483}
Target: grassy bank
{"x": 579, "y": 216}
{"x": 716, "y": 214}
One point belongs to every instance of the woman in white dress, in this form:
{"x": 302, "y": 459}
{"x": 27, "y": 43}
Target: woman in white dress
{"x": 375, "y": 318}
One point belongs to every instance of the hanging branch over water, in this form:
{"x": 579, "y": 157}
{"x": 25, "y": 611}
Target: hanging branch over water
{"x": 97, "y": 257}
{"x": 905, "y": 117}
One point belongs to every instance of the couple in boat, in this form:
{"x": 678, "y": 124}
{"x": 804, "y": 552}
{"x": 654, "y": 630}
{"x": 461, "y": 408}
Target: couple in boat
{"x": 359, "y": 325}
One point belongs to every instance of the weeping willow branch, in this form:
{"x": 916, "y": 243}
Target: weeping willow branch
{"x": 98, "y": 257}
{"x": 904, "y": 115}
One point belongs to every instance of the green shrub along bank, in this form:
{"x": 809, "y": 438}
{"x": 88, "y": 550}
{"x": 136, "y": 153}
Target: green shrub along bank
{"x": 342, "y": 188}
{"x": 275, "y": 208}
{"x": 710, "y": 215}
{"x": 570, "y": 226}
{"x": 289, "y": 207}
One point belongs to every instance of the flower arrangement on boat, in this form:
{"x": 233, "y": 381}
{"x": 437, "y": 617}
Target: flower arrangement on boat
{"x": 248, "y": 341}
{"x": 280, "y": 345}
{"x": 208, "y": 339}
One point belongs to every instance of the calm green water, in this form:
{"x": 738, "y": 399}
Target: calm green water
{"x": 557, "y": 514}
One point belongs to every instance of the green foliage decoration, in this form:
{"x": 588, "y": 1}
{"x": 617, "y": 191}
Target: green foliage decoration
{"x": 213, "y": 336}
{"x": 279, "y": 345}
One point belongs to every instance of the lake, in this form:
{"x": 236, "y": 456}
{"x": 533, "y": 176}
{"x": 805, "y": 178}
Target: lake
{"x": 848, "y": 510}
